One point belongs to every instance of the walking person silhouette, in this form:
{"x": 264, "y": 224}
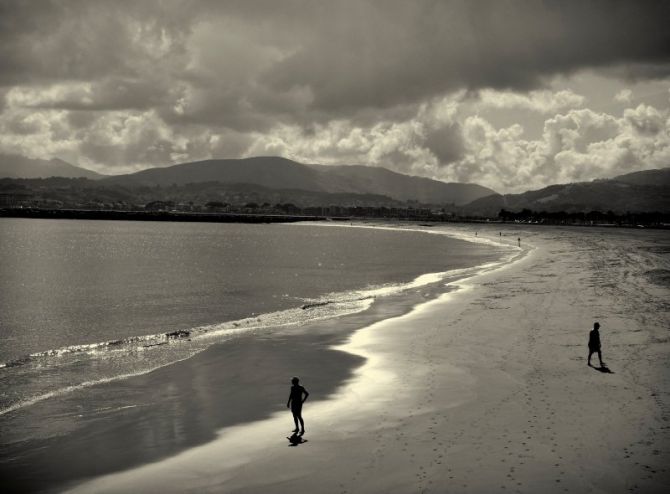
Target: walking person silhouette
{"x": 594, "y": 344}
{"x": 295, "y": 401}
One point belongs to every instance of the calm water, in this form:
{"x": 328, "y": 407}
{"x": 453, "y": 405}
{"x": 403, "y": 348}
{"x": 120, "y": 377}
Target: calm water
{"x": 89, "y": 301}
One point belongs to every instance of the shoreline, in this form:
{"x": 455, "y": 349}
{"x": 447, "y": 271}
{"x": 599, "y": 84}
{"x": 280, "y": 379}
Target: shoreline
{"x": 459, "y": 408}
{"x": 238, "y": 217}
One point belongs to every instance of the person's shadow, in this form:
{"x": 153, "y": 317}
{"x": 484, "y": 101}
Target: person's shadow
{"x": 603, "y": 368}
{"x": 296, "y": 440}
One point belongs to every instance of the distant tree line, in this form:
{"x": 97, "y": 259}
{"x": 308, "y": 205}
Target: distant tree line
{"x": 219, "y": 199}
{"x": 654, "y": 218}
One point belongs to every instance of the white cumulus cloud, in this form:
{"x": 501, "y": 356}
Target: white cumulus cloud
{"x": 543, "y": 101}
{"x": 624, "y": 96}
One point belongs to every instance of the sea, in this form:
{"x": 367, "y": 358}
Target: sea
{"x": 88, "y": 302}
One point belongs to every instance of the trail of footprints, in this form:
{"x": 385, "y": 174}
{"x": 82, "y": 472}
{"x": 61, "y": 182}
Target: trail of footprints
{"x": 528, "y": 446}
{"x": 521, "y": 441}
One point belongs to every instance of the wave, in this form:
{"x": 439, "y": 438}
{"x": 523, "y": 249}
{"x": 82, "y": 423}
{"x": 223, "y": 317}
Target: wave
{"x": 74, "y": 387}
{"x": 332, "y": 305}
{"x": 172, "y": 347}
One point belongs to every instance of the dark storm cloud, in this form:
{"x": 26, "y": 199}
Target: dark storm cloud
{"x": 382, "y": 53}
{"x": 318, "y": 59}
{"x": 50, "y": 41}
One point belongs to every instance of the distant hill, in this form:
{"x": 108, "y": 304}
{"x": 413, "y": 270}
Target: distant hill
{"x": 261, "y": 179}
{"x": 279, "y": 180}
{"x": 83, "y": 193}
{"x": 14, "y": 166}
{"x": 281, "y": 173}
{"x": 647, "y": 177}
{"x": 377, "y": 180}
{"x": 633, "y": 192}
{"x": 276, "y": 173}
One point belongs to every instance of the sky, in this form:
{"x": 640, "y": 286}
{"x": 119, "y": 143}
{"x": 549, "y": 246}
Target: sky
{"x": 512, "y": 95}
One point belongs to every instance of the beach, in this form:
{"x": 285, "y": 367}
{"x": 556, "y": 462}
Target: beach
{"x": 484, "y": 388}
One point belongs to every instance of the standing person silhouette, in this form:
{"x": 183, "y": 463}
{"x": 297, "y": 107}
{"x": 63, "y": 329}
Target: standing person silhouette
{"x": 594, "y": 344}
{"x": 295, "y": 401}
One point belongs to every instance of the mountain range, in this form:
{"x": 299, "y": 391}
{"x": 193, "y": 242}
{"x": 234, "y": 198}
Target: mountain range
{"x": 268, "y": 172}
{"x": 15, "y": 166}
{"x": 274, "y": 179}
{"x": 647, "y": 190}
{"x": 281, "y": 173}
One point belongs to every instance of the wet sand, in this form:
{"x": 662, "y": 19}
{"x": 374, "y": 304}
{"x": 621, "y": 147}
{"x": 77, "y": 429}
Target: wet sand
{"x": 484, "y": 389}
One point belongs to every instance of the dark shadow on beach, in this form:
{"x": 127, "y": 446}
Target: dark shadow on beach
{"x": 296, "y": 440}
{"x": 603, "y": 368}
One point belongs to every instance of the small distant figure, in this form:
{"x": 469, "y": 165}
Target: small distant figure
{"x": 475, "y": 234}
{"x": 500, "y": 233}
{"x": 295, "y": 401}
{"x": 594, "y": 344}
{"x": 519, "y": 240}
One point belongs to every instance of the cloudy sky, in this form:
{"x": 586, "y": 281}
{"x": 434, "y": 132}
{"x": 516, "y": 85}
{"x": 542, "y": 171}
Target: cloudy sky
{"x": 508, "y": 94}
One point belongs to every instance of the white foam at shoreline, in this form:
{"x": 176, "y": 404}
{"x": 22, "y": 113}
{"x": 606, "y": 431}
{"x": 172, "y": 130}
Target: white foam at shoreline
{"x": 432, "y": 230}
{"x": 86, "y": 384}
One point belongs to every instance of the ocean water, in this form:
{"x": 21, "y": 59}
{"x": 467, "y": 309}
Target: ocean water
{"x": 87, "y": 302}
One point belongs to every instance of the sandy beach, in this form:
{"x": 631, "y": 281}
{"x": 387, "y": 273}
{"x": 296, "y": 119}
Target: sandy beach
{"x": 483, "y": 389}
